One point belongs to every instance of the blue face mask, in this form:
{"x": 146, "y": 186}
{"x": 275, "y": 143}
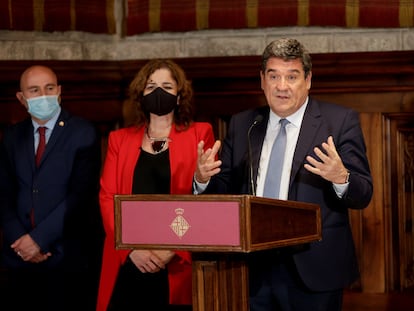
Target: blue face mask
{"x": 43, "y": 107}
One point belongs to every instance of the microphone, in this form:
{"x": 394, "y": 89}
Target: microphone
{"x": 256, "y": 121}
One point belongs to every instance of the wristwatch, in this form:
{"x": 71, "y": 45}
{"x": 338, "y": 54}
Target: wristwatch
{"x": 347, "y": 177}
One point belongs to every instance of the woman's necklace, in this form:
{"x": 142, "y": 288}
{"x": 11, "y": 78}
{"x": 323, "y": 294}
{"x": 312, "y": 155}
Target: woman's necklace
{"x": 157, "y": 144}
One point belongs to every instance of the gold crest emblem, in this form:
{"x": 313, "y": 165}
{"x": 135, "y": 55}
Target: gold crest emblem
{"x": 179, "y": 225}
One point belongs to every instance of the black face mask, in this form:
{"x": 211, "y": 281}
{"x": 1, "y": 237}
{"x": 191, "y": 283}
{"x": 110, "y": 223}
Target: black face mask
{"x": 159, "y": 102}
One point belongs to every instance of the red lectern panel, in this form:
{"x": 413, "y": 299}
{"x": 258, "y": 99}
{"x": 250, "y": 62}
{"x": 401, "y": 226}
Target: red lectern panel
{"x": 180, "y": 222}
{"x": 214, "y": 223}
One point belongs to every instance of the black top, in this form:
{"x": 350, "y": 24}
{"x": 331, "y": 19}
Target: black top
{"x": 152, "y": 173}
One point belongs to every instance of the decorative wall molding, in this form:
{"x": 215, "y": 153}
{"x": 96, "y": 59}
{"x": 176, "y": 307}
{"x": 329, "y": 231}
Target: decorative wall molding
{"x": 72, "y": 45}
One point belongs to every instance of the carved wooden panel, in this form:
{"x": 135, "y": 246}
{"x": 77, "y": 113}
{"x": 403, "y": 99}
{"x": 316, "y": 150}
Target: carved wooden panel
{"x": 400, "y": 202}
{"x": 406, "y": 207}
{"x": 368, "y": 224}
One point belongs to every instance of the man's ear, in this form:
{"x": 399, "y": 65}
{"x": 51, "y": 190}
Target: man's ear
{"x": 261, "y": 80}
{"x": 21, "y": 99}
{"x": 60, "y": 94}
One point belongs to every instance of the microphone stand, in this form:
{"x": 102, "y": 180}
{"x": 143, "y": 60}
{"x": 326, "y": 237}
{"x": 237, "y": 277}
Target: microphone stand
{"x": 256, "y": 121}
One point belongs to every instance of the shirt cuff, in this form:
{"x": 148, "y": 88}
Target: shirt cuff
{"x": 340, "y": 189}
{"x": 199, "y": 187}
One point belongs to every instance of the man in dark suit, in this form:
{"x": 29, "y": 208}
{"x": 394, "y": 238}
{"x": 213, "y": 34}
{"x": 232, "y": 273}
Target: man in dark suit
{"x": 324, "y": 162}
{"x": 50, "y": 222}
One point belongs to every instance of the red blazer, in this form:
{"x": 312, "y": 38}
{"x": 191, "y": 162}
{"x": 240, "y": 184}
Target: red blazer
{"x": 121, "y": 157}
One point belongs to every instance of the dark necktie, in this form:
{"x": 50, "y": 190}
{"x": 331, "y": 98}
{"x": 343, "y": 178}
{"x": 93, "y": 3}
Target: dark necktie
{"x": 275, "y": 166}
{"x": 42, "y": 144}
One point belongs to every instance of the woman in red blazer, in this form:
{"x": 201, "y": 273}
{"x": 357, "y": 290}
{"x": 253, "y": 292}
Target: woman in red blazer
{"x": 157, "y": 154}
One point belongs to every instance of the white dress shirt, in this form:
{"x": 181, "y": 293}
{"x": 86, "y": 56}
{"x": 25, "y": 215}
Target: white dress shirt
{"x": 292, "y": 134}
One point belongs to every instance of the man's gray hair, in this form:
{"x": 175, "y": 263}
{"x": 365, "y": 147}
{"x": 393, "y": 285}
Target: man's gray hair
{"x": 287, "y": 49}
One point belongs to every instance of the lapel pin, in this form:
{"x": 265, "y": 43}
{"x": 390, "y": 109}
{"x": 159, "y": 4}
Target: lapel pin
{"x": 61, "y": 123}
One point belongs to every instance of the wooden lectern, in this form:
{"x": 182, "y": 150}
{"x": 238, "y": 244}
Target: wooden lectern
{"x": 220, "y": 231}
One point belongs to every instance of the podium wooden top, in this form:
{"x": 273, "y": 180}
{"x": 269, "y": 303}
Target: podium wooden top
{"x": 213, "y": 223}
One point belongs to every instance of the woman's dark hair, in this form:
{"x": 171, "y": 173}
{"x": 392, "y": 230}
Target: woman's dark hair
{"x": 183, "y": 113}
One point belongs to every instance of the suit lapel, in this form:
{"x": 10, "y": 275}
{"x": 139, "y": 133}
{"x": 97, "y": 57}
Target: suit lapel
{"x": 310, "y": 125}
{"x": 28, "y": 145}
